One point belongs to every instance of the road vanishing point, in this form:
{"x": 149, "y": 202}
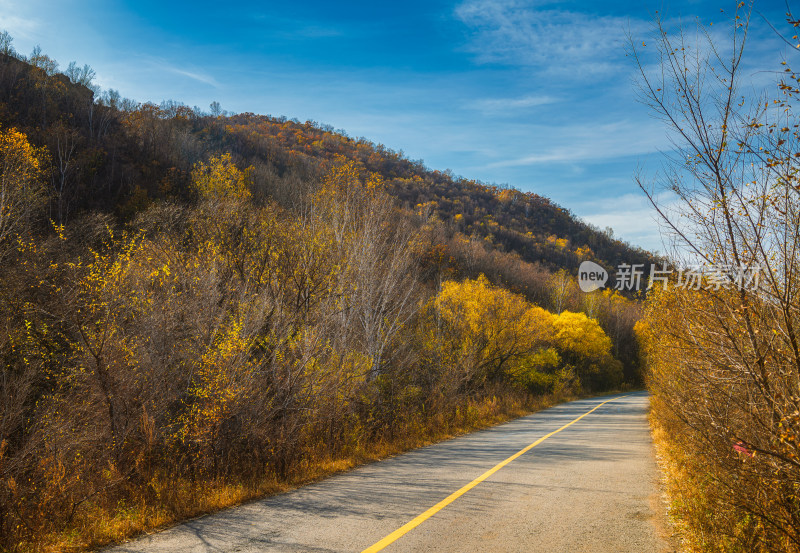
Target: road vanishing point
{"x": 578, "y": 477}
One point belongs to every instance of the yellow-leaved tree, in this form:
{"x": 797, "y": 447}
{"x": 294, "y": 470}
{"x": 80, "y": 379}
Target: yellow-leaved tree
{"x": 21, "y": 192}
{"x": 219, "y": 179}
{"x": 585, "y": 346}
{"x": 488, "y": 328}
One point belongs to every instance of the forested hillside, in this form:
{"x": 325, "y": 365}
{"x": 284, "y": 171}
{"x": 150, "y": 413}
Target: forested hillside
{"x": 114, "y": 155}
{"x": 200, "y": 308}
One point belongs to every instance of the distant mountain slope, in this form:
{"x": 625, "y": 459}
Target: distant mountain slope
{"x": 115, "y": 155}
{"x": 526, "y": 223}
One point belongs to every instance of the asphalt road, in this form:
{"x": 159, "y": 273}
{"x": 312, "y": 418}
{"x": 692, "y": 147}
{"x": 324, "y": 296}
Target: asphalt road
{"x": 590, "y": 487}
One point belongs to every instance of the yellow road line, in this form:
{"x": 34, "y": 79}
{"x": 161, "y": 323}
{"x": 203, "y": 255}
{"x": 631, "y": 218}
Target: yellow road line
{"x": 407, "y": 527}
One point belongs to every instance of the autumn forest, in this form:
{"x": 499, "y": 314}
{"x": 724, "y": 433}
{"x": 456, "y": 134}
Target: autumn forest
{"x": 199, "y": 308}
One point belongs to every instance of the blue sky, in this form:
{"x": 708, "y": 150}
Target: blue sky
{"x": 529, "y": 93}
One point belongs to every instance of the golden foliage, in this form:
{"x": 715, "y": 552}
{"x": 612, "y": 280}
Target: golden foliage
{"x": 490, "y": 326}
{"x": 219, "y": 178}
{"x": 579, "y": 335}
{"x": 491, "y": 333}
{"x": 21, "y": 171}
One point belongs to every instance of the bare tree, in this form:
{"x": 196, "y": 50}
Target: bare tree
{"x": 725, "y": 362}
{"x": 81, "y": 75}
{"x": 383, "y": 279}
{"x": 64, "y": 152}
{"x": 5, "y": 44}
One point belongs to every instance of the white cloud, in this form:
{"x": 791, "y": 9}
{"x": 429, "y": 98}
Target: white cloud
{"x": 192, "y": 74}
{"x": 517, "y": 32}
{"x": 503, "y": 104}
{"x": 630, "y": 215}
{"x": 200, "y": 77}
{"x": 594, "y": 142}
{"x": 17, "y": 25}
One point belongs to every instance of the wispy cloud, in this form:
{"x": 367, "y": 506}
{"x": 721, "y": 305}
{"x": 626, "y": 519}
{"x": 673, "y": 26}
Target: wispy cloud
{"x": 287, "y": 28}
{"x": 631, "y": 216}
{"x": 507, "y": 104}
{"x": 315, "y": 31}
{"x": 200, "y": 77}
{"x": 598, "y": 142}
{"x": 18, "y": 26}
{"x": 516, "y": 32}
{"x": 194, "y": 75}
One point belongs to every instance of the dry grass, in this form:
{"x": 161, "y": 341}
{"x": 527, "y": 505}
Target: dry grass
{"x": 704, "y": 513}
{"x": 672, "y": 480}
{"x": 174, "y": 501}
